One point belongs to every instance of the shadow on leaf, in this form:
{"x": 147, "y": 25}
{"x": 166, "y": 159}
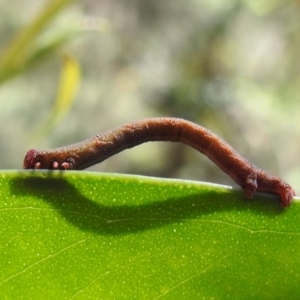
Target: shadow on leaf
{"x": 89, "y": 215}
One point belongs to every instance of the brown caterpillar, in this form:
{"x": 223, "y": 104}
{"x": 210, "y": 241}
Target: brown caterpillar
{"x": 96, "y": 149}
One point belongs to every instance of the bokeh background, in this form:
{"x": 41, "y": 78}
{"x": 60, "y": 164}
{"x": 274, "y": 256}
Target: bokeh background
{"x": 231, "y": 66}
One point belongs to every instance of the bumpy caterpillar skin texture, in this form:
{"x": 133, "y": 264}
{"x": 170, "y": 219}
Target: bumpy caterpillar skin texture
{"x": 96, "y": 149}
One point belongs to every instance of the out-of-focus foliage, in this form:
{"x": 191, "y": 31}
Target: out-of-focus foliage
{"x": 21, "y": 52}
{"x": 69, "y": 81}
{"x": 231, "y": 66}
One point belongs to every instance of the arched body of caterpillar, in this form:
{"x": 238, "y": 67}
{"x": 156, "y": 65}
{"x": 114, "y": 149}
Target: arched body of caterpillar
{"x": 96, "y": 149}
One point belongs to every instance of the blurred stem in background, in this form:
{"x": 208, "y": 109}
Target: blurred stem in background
{"x": 66, "y": 92}
{"x": 22, "y": 52}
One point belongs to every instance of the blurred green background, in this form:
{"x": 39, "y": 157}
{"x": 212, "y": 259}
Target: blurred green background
{"x": 231, "y": 66}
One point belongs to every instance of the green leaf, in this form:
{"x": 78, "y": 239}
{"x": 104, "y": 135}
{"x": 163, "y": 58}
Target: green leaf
{"x": 82, "y": 235}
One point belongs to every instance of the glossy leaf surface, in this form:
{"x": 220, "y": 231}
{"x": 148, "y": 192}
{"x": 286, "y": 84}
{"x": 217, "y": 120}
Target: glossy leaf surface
{"x": 79, "y": 235}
